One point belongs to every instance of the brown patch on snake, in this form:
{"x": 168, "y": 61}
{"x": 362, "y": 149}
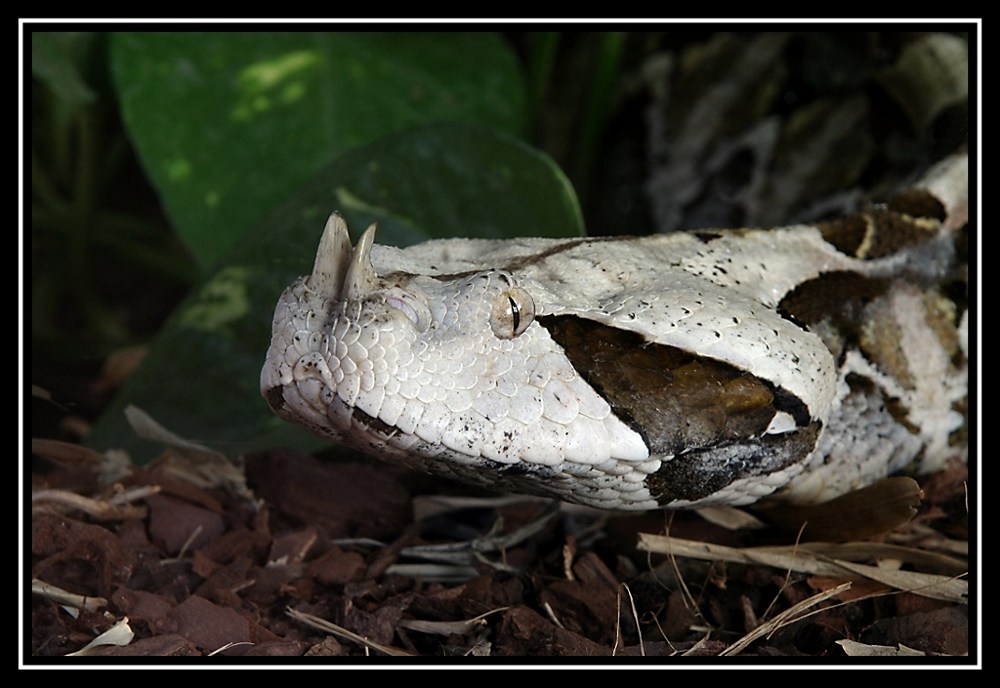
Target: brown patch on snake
{"x": 960, "y": 437}
{"x": 674, "y": 399}
{"x": 918, "y": 203}
{"x": 877, "y": 234}
{"x": 710, "y": 415}
{"x": 846, "y": 234}
{"x": 900, "y": 413}
{"x": 833, "y": 306}
{"x": 880, "y": 340}
{"x": 943, "y": 316}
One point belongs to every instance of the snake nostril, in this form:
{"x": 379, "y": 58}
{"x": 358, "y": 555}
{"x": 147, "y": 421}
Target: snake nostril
{"x": 405, "y": 308}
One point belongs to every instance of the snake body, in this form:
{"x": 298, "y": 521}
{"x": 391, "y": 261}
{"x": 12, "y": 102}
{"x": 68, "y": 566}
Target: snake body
{"x": 680, "y": 370}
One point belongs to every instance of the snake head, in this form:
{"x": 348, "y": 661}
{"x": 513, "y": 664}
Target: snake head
{"x": 439, "y": 365}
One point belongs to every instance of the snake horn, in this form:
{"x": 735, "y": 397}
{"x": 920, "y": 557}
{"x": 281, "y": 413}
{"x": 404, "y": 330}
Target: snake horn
{"x": 361, "y": 277}
{"x": 332, "y": 258}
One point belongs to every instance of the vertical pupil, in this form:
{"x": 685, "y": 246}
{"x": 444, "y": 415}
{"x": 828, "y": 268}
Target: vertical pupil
{"x": 515, "y": 313}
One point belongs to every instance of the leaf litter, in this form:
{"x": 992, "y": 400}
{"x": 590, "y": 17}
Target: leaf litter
{"x": 282, "y": 554}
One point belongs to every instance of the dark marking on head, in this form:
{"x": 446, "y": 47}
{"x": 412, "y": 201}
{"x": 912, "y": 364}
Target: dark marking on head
{"x": 705, "y": 237}
{"x": 533, "y": 259}
{"x": 674, "y": 399}
{"x": 563, "y": 247}
{"x": 275, "y": 398}
{"x": 699, "y": 474}
{"x": 449, "y": 276}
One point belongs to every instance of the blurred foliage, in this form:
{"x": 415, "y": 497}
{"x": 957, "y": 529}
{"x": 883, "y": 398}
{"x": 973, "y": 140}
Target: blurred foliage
{"x": 248, "y": 141}
{"x": 228, "y": 125}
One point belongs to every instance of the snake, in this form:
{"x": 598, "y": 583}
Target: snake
{"x": 680, "y": 370}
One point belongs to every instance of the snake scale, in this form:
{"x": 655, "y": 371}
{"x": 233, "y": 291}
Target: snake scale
{"x": 677, "y": 370}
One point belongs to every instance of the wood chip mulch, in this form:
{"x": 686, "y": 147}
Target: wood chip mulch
{"x": 330, "y": 560}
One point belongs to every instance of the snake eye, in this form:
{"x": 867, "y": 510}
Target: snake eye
{"x": 513, "y": 310}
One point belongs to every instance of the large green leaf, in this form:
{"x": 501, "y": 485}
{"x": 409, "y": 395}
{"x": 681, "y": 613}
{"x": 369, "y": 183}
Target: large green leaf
{"x": 201, "y": 376}
{"x": 229, "y": 124}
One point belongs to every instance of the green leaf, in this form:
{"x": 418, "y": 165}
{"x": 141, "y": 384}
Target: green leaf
{"x": 201, "y": 376}
{"x": 229, "y": 124}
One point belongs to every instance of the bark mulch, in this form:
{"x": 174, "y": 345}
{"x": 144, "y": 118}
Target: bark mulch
{"x": 293, "y": 556}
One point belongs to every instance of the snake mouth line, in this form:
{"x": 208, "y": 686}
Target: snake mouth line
{"x": 275, "y": 397}
{"x": 373, "y": 423}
